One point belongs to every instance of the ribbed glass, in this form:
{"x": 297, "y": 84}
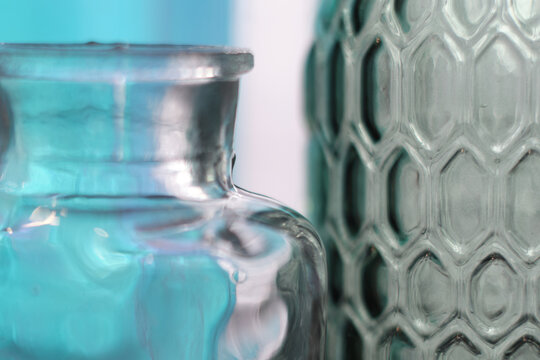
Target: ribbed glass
{"x": 122, "y": 234}
{"x": 426, "y": 176}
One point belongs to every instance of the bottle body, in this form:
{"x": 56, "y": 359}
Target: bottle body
{"x": 424, "y": 116}
{"x": 158, "y": 279}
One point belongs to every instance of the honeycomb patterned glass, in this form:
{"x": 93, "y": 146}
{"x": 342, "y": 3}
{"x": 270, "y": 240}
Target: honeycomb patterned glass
{"x": 425, "y": 181}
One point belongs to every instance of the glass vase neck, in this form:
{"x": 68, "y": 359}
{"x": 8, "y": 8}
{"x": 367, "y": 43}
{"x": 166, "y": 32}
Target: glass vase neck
{"x": 123, "y": 133}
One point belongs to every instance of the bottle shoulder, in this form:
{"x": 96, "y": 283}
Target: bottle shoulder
{"x": 263, "y": 256}
{"x": 239, "y": 218}
{"x": 260, "y": 210}
{"x": 273, "y": 213}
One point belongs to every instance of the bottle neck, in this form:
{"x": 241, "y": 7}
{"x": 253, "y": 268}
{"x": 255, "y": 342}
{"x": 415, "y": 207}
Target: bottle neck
{"x": 118, "y": 139}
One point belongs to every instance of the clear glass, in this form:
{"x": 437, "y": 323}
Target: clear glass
{"x": 122, "y": 234}
{"x": 426, "y": 168}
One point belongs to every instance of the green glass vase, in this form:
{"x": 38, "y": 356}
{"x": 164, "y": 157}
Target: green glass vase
{"x": 426, "y": 176}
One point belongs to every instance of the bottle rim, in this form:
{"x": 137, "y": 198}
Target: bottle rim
{"x": 97, "y": 62}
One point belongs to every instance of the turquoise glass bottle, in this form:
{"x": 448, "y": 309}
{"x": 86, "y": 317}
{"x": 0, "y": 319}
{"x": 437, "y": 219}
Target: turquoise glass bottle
{"x": 122, "y": 234}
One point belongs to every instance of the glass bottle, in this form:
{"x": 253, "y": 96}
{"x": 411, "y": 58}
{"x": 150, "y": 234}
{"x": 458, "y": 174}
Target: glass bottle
{"x": 122, "y": 234}
{"x": 426, "y": 168}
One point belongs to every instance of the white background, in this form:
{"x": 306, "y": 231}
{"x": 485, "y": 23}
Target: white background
{"x": 271, "y": 133}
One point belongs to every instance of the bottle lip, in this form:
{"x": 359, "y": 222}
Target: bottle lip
{"x": 97, "y": 62}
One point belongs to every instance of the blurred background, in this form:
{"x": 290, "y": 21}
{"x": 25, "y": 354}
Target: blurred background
{"x": 271, "y": 133}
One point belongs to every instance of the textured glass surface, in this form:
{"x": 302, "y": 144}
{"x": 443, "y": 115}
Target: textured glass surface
{"x": 122, "y": 235}
{"x": 425, "y": 176}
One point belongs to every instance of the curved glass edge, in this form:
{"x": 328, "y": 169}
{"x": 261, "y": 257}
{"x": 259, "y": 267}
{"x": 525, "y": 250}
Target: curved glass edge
{"x": 94, "y": 62}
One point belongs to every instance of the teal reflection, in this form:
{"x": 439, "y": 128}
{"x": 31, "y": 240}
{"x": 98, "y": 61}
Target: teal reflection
{"x": 136, "y": 21}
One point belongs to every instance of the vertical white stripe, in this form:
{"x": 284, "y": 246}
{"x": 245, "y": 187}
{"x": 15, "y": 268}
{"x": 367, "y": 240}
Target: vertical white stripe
{"x": 271, "y": 136}
{"x": 119, "y": 94}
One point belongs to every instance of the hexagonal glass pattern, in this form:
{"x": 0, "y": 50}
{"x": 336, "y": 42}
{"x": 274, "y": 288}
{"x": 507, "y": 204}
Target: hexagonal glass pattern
{"x": 405, "y": 197}
{"x": 498, "y": 91}
{"x": 374, "y": 283}
{"x": 466, "y": 16}
{"x": 376, "y": 90}
{"x": 464, "y": 199}
{"x": 396, "y": 345}
{"x": 436, "y": 201}
{"x": 336, "y": 83}
{"x": 495, "y": 297}
{"x": 354, "y": 191}
{"x": 536, "y": 295}
{"x": 431, "y": 294}
{"x": 411, "y": 13}
{"x": 525, "y": 349}
{"x": 433, "y": 97}
{"x": 335, "y": 268}
{"x": 359, "y": 14}
{"x": 523, "y": 204}
{"x": 459, "y": 347}
{"x": 352, "y": 342}
{"x": 527, "y": 14}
